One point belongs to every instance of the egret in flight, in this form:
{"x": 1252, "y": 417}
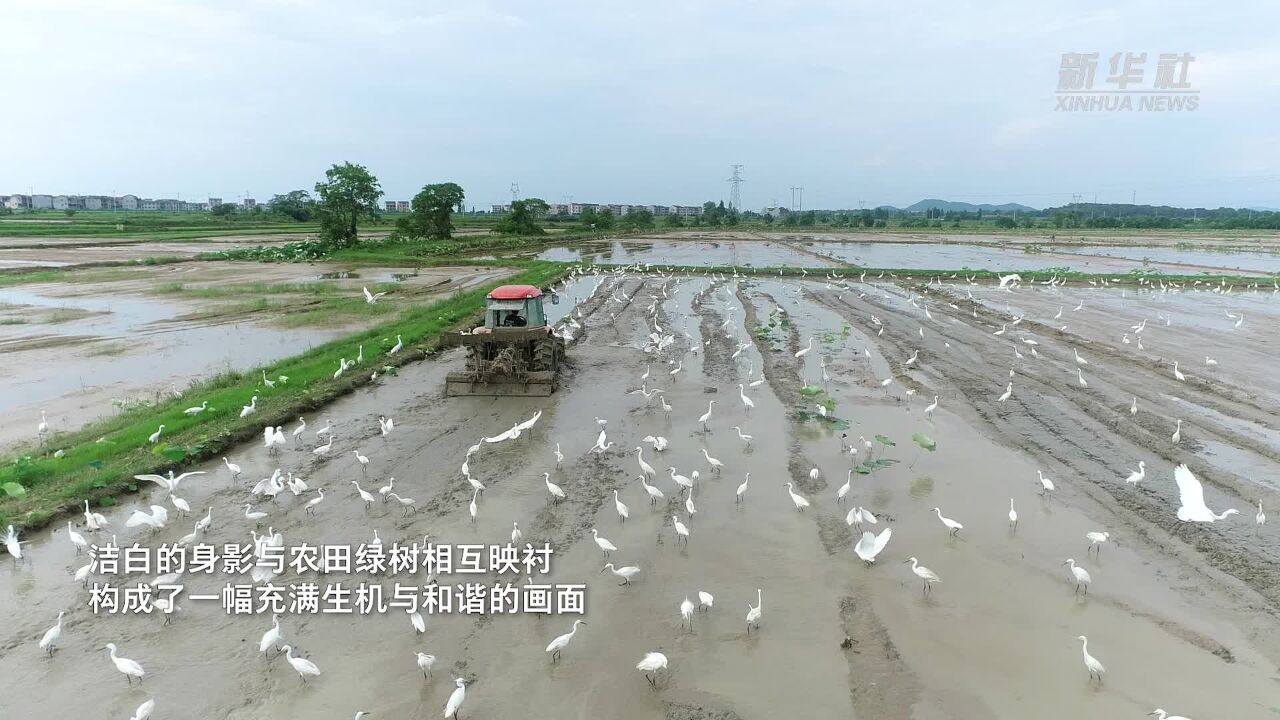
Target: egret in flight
{"x": 1191, "y": 495}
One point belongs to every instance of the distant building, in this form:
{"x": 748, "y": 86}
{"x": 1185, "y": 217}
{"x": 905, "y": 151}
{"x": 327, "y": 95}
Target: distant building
{"x": 249, "y": 203}
{"x": 500, "y": 209}
{"x": 391, "y": 206}
{"x": 127, "y": 202}
{"x": 404, "y": 206}
{"x": 214, "y": 202}
{"x": 167, "y": 205}
{"x": 148, "y": 205}
{"x": 93, "y": 202}
{"x": 41, "y": 202}
{"x": 60, "y": 202}
{"x": 18, "y": 202}
{"x": 776, "y": 212}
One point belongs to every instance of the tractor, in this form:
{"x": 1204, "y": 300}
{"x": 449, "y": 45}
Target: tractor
{"x": 515, "y": 352}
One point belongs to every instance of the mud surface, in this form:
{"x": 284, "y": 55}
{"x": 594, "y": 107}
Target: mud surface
{"x": 1172, "y": 612}
{"x": 79, "y": 349}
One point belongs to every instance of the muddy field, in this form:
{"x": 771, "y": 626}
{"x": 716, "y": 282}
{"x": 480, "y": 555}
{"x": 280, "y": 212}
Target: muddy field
{"x": 1182, "y": 616}
{"x": 79, "y": 348}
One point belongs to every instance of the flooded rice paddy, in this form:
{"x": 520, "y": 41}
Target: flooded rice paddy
{"x": 1183, "y": 615}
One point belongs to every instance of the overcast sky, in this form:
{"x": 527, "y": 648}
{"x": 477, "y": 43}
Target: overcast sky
{"x": 640, "y": 102}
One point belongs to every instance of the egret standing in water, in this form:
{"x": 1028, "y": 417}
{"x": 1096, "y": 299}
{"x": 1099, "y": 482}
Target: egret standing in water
{"x": 1080, "y": 574}
{"x": 1162, "y": 715}
{"x": 952, "y": 526}
{"x": 650, "y": 664}
{"x": 302, "y": 666}
{"x": 755, "y": 613}
{"x": 1090, "y": 662}
{"x": 130, "y": 668}
{"x": 799, "y": 500}
{"x": 561, "y": 642}
{"x": 928, "y": 576}
{"x": 50, "y": 639}
{"x": 1013, "y": 517}
{"x": 455, "y": 700}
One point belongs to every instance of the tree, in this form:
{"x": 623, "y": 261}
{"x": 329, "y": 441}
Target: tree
{"x": 348, "y": 194}
{"x": 674, "y": 220}
{"x": 223, "y": 210}
{"x": 523, "y": 218}
{"x": 296, "y": 204}
{"x": 432, "y": 213}
{"x": 638, "y": 220}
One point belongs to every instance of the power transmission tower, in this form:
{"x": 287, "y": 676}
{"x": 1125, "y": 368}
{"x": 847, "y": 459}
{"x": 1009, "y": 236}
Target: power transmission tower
{"x": 801, "y": 189}
{"x": 735, "y": 188}
{"x": 515, "y": 191}
{"x": 793, "y": 198}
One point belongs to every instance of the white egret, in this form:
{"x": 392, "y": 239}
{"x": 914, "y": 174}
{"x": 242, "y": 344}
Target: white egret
{"x": 743, "y": 436}
{"x": 928, "y": 410}
{"x": 626, "y": 572}
{"x": 1177, "y": 433}
{"x": 1013, "y": 516}
{"x": 232, "y": 468}
{"x": 1046, "y": 485}
{"x": 1178, "y": 373}
{"x": 705, "y": 600}
{"x": 455, "y": 700}
{"x": 707, "y": 415}
{"x": 362, "y": 459}
{"x": 654, "y": 493}
{"x": 1162, "y": 715}
{"x": 1090, "y": 662}
{"x": 686, "y": 613}
{"x": 385, "y": 490}
{"x": 312, "y": 503}
{"x": 184, "y": 508}
{"x": 747, "y": 402}
{"x": 650, "y": 665}
{"x": 742, "y": 489}
{"x": 76, "y": 539}
{"x": 197, "y": 409}
{"x": 928, "y": 576}
{"x": 799, "y": 500}
{"x": 50, "y": 639}
{"x": 645, "y": 467}
{"x": 1008, "y": 391}
{"x": 1261, "y": 518}
{"x": 1136, "y": 476}
{"x": 156, "y": 519}
{"x": 324, "y": 449}
{"x": 1191, "y": 495}
{"x": 755, "y": 613}
{"x": 805, "y": 350}
{"x": 952, "y": 526}
{"x": 471, "y": 507}
{"x": 419, "y": 624}
{"x": 144, "y": 710}
{"x": 556, "y": 493}
{"x": 410, "y": 505}
{"x": 396, "y": 348}
{"x": 1080, "y": 574}
{"x": 371, "y": 298}
{"x": 844, "y": 489}
{"x": 562, "y": 641}
{"x": 94, "y": 521}
{"x": 1096, "y": 540}
{"x": 516, "y": 535}
{"x": 154, "y": 437}
{"x": 713, "y": 462}
{"x": 682, "y": 530}
{"x": 272, "y": 637}
{"x": 606, "y": 547}
{"x": 621, "y": 507}
{"x": 1081, "y": 380}
{"x": 249, "y": 409}
{"x": 559, "y": 455}
{"x": 869, "y": 546}
{"x": 425, "y": 662}
{"x": 302, "y": 666}
{"x": 386, "y": 425}
{"x": 128, "y": 667}
{"x": 365, "y": 495}
{"x": 254, "y": 515}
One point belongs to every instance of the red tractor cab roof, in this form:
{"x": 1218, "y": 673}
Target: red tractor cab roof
{"x": 515, "y": 292}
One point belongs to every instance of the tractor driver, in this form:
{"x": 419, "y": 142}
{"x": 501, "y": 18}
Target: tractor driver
{"x": 514, "y": 319}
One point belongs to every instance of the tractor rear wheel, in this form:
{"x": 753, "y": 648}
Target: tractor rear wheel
{"x": 546, "y": 354}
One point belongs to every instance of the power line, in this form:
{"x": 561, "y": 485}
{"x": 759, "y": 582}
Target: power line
{"x": 735, "y": 188}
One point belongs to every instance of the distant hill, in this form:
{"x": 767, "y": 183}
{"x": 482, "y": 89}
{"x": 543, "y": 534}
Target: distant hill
{"x": 947, "y": 205}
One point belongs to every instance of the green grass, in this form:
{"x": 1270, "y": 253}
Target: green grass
{"x": 97, "y": 470}
{"x": 12, "y": 321}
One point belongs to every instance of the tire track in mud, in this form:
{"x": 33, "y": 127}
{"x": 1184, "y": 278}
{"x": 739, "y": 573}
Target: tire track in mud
{"x": 1079, "y": 431}
{"x": 880, "y": 683}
